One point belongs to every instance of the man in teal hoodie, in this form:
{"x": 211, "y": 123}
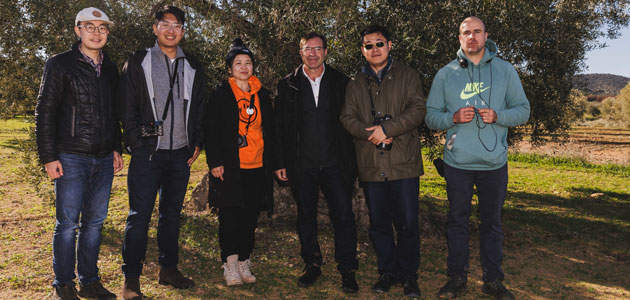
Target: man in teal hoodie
{"x": 476, "y": 97}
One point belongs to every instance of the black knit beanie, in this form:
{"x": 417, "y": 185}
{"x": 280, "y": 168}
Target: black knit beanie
{"x": 238, "y": 47}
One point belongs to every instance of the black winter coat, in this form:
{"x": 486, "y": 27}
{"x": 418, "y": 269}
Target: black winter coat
{"x": 221, "y": 122}
{"x": 75, "y": 111}
{"x": 136, "y": 105}
{"x": 288, "y": 114}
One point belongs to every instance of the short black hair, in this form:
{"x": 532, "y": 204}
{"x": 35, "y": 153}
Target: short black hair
{"x": 375, "y": 29}
{"x": 179, "y": 14}
{"x": 312, "y": 35}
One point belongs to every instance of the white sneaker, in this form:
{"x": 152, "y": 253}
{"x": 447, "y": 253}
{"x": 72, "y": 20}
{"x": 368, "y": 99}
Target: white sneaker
{"x": 244, "y": 268}
{"x": 230, "y": 271}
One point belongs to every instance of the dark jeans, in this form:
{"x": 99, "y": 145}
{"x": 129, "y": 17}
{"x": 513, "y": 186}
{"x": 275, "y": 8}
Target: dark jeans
{"x": 237, "y": 225}
{"x": 491, "y": 190}
{"x": 167, "y": 172}
{"x": 396, "y": 202}
{"x": 83, "y": 191}
{"x": 305, "y": 187}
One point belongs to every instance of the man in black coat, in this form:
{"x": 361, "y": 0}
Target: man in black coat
{"x": 78, "y": 141}
{"x": 314, "y": 151}
{"x": 163, "y": 95}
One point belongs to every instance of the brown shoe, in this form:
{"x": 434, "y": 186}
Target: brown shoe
{"x": 131, "y": 290}
{"x": 173, "y": 277}
{"x": 95, "y": 290}
{"x": 66, "y": 292}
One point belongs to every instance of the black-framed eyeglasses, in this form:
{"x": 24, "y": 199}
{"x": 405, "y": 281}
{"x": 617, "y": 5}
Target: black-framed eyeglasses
{"x": 370, "y": 46}
{"x": 315, "y": 49}
{"x": 102, "y": 29}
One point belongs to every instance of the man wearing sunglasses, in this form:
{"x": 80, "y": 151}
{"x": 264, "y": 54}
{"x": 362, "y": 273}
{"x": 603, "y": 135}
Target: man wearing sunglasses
{"x": 476, "y": 97}
{"x": 313, "y": 151}
{"x": 163, "y": 95}
{"x": 78, "y": 141}
{"x": 384, "y": 107}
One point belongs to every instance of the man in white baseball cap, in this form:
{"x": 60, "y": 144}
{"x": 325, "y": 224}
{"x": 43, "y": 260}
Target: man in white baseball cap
{"x": 78, "y": 141}
{"x": 92, "y": 14}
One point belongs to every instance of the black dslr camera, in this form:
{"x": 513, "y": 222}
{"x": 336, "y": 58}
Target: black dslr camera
{"x": 150, "y": 129}
{"x": 241, "y": 140}
{"x": 379, "y": 121}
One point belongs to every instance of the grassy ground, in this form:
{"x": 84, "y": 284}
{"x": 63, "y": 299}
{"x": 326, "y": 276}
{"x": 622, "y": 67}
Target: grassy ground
{"x": 563, "y": 239}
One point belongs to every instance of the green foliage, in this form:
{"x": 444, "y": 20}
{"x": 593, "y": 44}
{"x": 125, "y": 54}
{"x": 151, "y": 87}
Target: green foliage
{"x": 624, "y": 99}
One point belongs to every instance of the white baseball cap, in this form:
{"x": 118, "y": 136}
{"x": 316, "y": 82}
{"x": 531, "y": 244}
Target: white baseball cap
{"x": 92, "y": 14}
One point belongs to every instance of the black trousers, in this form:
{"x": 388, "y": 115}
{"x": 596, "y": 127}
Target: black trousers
{"x": 305, "y": 187}
{"x": 238, "y": 224}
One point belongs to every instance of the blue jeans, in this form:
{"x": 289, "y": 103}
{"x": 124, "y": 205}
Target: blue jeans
{"x": 83, "y": 191}
{"x": 166, "y": 172}
{"x": 491, "y": 191}
{"x": 395, "y": 202}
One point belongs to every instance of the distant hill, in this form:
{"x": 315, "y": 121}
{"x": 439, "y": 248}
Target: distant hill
{"x": 600, "y": 84}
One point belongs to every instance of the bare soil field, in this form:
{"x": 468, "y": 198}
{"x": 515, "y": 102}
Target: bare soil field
{"x": 596, "y": 145}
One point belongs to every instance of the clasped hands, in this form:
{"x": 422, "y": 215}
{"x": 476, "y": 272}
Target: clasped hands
{"x": 378, "y": 136}
{"x": 466, "y": 114}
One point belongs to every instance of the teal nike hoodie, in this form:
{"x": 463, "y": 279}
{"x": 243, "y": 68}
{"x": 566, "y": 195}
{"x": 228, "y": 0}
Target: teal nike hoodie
{"x": 492, "y": 83}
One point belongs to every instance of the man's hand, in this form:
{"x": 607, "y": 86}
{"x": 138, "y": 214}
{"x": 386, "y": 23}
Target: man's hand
{"x": 281, "y": 174}
{"x": 118, "y": 162}
{"x": 217, "y": 172}
{"x": 54, "y": 169}
{"x": 377, "y": 136}
{"x": 464, "y": 115}
{"x": 194, "y": 157}
{"x": 388, "y": 141}
{"x": 488, "y": 115}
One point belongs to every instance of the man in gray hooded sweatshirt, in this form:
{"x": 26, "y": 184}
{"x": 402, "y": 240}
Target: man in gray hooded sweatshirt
{"x": 163, "y": 95}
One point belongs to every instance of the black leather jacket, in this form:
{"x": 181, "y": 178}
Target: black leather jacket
{"x": 75, "y": 110}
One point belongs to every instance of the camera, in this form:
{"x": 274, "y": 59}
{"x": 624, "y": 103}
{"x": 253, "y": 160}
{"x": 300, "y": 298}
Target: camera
{"x": 152, "y": 129}
{"x": 241, "y": 140}
{"x": 379, "y": 121}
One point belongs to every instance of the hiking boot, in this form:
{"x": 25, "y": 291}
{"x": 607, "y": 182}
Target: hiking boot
{"x": 96, "y": 290}
{"x": 230, "y": 271}
{"x": 308, "y": 278}
{"x": 349, "y": 283}
{"x": 66, "y": 292}
{"x": 410, "y": 288}
{"x": 131, "y": 289}
{"x": 454, "y": 287}
{"x": 175, "y": 278}
{"x": 497, "y": 290}
{"x": 384, "y": 283}
{"x": 245, "y": 271}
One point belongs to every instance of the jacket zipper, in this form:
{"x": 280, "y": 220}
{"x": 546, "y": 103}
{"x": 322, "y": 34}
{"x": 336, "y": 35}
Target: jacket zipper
{"x": 73, "y": 119}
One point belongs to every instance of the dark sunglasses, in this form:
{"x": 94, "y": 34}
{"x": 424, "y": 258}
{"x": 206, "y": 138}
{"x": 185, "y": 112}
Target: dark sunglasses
{"x": 370, "y": 46}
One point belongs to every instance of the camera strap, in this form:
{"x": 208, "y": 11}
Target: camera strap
{"x": 372, "y": 109}
{"x": 175, "y": 75}
{"x": 249, "y": 118}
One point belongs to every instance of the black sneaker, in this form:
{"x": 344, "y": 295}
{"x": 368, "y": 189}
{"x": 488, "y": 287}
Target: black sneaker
{"x": 95, "y": 290}
{"x": 349, "y": 283}
{"x": 410, "y": 288}
{"x": 384, "y": 283}
{"x": 311, "y": 272}
{"x": 66, "y": 292}
{"x": 497, "y": 290}
{"x": 454, "y": 287}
